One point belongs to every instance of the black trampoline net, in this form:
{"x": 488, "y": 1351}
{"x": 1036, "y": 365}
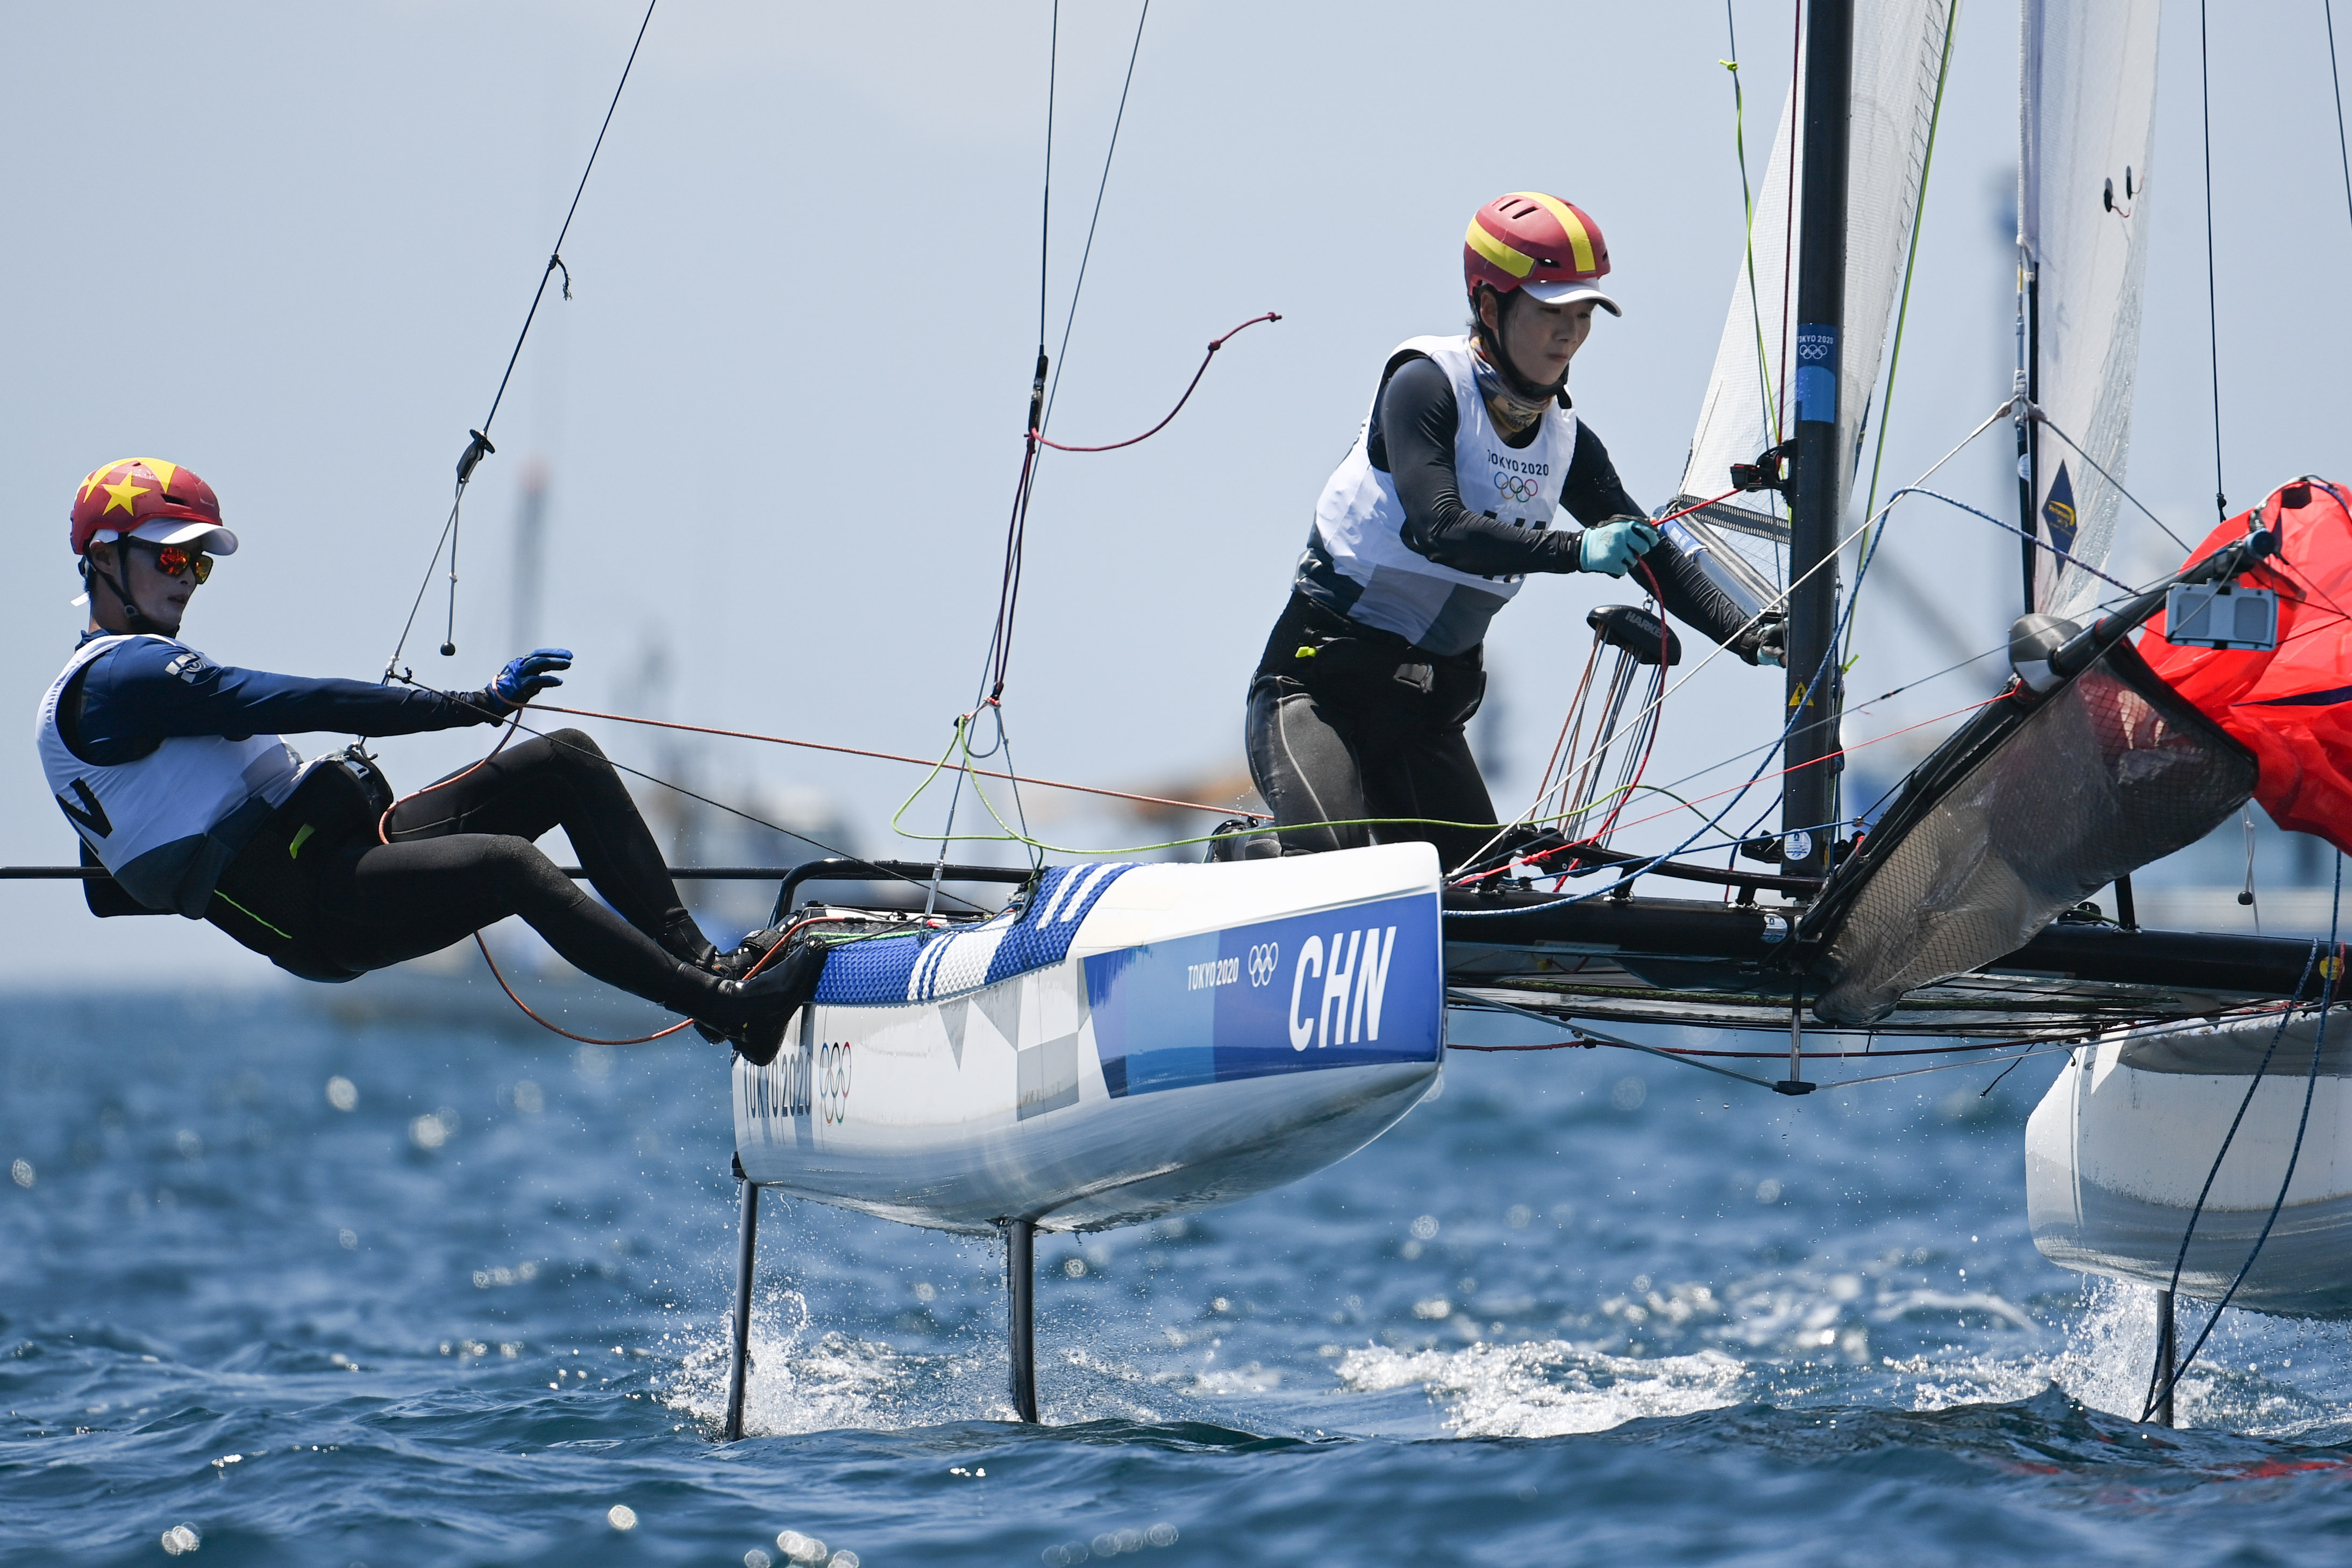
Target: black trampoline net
{"x": 2110, "y": 771}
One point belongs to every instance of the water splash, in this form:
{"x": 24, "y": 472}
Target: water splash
{"x": 1548, "y": 1388}
{"x": 801, "y": 1383}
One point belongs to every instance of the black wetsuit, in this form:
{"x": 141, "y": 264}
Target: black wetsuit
{"x": 333, "y": 902}
{"x": 1348, "y": 721}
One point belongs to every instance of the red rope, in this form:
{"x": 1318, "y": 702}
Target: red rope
{"x": 1735, "y": 789}
{"x": 1215, "y": 344}
{"x": 557, "y": 1028}
{"x": 638, "y": 1040}
{"x": 895, "y": 757}
{"x": 383, "y": 835}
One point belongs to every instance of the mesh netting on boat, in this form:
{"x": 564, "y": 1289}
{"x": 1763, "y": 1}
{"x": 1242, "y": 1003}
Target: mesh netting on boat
{"x": 2021, "y": 816}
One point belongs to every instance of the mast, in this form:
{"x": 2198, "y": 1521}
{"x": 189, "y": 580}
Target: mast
{"x": 1807, "y": 802}
{"x": 2028, "y": 397}
{"x": 2025, "y": 393}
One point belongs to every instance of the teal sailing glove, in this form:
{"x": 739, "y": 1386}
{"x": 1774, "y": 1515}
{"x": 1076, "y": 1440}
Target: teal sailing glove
{"x": 1765, "y": 641}
{"x": 1613, "y": 546}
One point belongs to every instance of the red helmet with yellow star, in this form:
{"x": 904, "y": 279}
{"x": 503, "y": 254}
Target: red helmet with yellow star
{"x": 148, "y": 499}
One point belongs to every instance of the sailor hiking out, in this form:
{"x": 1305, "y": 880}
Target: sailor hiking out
{"x": 1428, "y": 528}
{"x": 171, "y": 770}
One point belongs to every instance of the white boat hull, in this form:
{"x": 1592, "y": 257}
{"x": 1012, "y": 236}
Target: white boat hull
{"x": 2119, "y": 1148}
{"x": 1212, "y": 1031}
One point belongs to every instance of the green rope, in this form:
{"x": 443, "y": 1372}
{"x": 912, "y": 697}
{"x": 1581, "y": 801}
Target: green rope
{"x": 1902, "y": 309}
{"x": 1747, "y": 209}
{"x": 249, "y": 914}
{"x": 962, "y": 744}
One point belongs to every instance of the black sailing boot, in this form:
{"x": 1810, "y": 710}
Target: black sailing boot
{"x": 682, "y": 938}
{"x": 749, "y": 952}
{"x": 784, "y": 987}
{"x": 734, "y": 967}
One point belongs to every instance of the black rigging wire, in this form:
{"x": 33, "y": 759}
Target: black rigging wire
{"x": 1046, "y": 197}
{"x": 993, "y": 668}
{"x": 478, "y": 446}
{"x": 1062, "y": 355}
{"x": 2343, "y": 147}
{"x": 2212, "y": 309}
{"x": 833, "y": 851}
{"x": 2331, "y": 972}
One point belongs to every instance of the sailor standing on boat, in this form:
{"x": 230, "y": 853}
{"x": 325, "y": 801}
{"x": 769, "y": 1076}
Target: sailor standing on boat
{"x": 1427, "y": 529}
{"x": 167, "y": 765}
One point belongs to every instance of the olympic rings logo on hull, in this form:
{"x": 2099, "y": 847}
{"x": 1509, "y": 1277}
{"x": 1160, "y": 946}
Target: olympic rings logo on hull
{"x": 831, "y": 1071}
{"x": 1263, "y": 959}
{"x": 1517, "y": 486}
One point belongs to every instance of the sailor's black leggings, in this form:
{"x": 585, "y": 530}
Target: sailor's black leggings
{"x": 1348, "y": 723}
{"x": 462, "y": 858}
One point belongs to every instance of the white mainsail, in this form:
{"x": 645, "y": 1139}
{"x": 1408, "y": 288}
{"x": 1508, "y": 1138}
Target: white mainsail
{"x": 1898, "y": 51}
{"x": 2087, "y": 126}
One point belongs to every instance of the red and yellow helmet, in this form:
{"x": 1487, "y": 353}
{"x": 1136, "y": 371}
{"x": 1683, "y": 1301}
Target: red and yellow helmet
{"x": 1530, "y": 241}
{"x": 148, "y": 499}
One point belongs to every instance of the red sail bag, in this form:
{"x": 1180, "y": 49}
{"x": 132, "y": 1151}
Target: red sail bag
{"x": 2292, "y": 705}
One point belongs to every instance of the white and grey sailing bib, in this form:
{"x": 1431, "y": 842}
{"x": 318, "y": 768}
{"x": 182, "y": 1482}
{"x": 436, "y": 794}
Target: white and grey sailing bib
{"x": 165, "y": 825}
{"x": 1361, "y": 522}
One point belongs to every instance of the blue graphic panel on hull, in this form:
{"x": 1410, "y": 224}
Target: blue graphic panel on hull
{"x": 1348, "y": 987}
{"x": 894, "y": 970}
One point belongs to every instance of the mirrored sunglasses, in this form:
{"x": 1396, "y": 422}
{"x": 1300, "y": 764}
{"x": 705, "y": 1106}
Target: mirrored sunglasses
{"x": 173, "y": 559}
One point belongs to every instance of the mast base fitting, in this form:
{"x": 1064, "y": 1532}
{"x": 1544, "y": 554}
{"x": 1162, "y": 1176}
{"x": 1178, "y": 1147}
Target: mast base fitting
{"x": 1794, "y": 1086}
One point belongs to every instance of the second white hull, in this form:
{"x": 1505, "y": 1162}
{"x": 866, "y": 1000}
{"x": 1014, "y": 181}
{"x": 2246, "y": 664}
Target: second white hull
{"x": 2117, "y": 1151}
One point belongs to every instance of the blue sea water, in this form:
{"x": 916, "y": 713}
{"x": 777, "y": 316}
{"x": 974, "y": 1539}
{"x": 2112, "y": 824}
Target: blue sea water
{"x": 279, "y": 1289}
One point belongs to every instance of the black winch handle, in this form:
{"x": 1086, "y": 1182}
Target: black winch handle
{"x": 2232, "y": 559}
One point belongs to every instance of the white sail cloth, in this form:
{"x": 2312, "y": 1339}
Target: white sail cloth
{"x": 2087, "y": 127}
{"x": 1898, "y": 50}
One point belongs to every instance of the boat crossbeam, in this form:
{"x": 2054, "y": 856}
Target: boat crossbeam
{"x": 1020, "y": 1293}
{"x": 739, "y": 1362}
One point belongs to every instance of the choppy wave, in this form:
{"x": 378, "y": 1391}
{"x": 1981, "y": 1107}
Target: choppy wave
{"x": 311, "y": 1293}
{"x": 1551, "y": 1388}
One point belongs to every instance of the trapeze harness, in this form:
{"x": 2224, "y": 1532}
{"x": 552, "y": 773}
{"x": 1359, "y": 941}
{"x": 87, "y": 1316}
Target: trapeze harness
{"x": 208, "y": 827}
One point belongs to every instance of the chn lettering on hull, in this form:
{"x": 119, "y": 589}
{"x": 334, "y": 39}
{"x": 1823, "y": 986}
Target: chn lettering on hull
{"x": 1347, "y": 987}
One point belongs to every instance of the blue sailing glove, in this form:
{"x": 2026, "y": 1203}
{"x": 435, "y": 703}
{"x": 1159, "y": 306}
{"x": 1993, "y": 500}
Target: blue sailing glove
{"x": 525, "y": 677}
{"x": 1613, "y": 546}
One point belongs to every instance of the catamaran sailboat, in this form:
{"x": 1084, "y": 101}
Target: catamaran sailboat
{"x": 1124, "y": 1041}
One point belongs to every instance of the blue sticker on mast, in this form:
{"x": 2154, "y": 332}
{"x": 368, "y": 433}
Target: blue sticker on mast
{"x": 1817, "y": 374}
{"x": 1348, "y": 987}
